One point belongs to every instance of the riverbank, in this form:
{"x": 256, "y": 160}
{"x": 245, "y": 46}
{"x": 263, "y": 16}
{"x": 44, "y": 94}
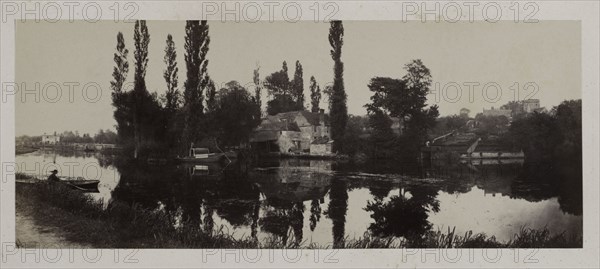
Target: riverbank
{"x": 82, "y": 221}
{"x": 24, "y": 150}
{"x": 37, "y": 233}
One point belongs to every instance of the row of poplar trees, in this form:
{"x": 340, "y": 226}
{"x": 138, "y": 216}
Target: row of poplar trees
{"x": 173, "y": 121}
{"x": 146, "y": 121}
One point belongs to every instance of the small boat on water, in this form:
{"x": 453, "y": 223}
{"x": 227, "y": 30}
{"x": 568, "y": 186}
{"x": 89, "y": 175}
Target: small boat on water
{"x": 78, "y": 183}
{"x": 203, "y": 155}
{"x": 82, "y": 183}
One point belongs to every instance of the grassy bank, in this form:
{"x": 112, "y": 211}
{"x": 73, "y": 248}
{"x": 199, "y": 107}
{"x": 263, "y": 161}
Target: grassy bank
{"x": 24, "y": 150}
{"x": 118, "y": 225}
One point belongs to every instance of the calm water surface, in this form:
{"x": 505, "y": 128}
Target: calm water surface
{"x": 319, "y": 201}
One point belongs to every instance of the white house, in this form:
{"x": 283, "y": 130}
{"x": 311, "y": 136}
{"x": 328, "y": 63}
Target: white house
{"x": 50, "y": 139}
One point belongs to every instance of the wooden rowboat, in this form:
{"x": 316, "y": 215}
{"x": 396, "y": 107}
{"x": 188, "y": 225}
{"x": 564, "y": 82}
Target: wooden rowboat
{"x": 83, "y": 184}
{"x": 75, "y": 183}
{"x": 209, "y": 158}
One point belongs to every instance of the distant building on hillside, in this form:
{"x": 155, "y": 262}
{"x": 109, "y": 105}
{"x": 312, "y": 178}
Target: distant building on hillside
{"x": 531, "y": 105}
{"x": 50, "y": 139}
{"x": 464, "y": 112}
{"x": 497, "y": 112}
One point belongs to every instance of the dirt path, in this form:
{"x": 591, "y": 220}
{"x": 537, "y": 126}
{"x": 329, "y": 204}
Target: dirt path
{"x": 31, "y": 235}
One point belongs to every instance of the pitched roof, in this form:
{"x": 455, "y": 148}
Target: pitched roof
{"x": 262, "y": 136}
{"x": 270, "y": 129}
{"x": 276, "y": 125}
{"x": 271, "y": 125}
{"x": 311, "y": 117}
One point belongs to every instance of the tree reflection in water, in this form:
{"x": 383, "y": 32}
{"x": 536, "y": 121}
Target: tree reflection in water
{"x": 271, "y": 200}
{"x": 541, "y": 181}
{"x": 338, "y": 207}
{"x": 404, "y": 214}
{"x": 283, "y": 216}
{"x": 315, "y": 213}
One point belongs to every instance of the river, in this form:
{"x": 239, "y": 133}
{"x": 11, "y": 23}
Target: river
{"x": 316, "y": 201}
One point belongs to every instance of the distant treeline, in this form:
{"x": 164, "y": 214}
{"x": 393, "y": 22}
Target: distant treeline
{"x": 554, "y": 136}
{"x": 101, "y": 137}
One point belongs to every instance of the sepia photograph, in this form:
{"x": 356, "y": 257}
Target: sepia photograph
{"x": 337, "y": 134}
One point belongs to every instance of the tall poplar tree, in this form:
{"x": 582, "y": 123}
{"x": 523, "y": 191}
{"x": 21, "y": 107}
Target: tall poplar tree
{"x": 141, "y": 96}
{"x": 298, "y": 86}
{"x": 257, "y": 90}
{"x": 120, "y": 98}
{"x": 315, "y": 95}
{"x": 339, "y": 109}
{"x": 172, "y": 95}
{"x": 196, "y": 49}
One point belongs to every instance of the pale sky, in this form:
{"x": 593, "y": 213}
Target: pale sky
{"x": 546, "y": 53}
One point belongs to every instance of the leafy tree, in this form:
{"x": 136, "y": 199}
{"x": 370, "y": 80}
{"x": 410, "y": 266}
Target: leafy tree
{"x": 315, "y": 95}
{"x": 568, "y": 119}
{"x": 491, "y": 124}
{"x": 339, "y": 109}
{"x": 356, "y": 127}
{"x": 554, "y": 137}
{"x": 280, "y": 104}
{"x": 382, "y": 136}
{"x": 105, "y": 137}
{"x": 405, "y": 99}
{"x": 120, "y": 98}
{"x": 298, "y": 86}
{"x": 87, "y": 138}
{"x": 278, "y": 83}
{"x": 196, "y": 49}
{"x": 448, "y": 124}
{"x": 234, "y": 125}
{"x": 537, "y": 135}
{"x": 420, "y": 119}
{"x": 280, "y": 89}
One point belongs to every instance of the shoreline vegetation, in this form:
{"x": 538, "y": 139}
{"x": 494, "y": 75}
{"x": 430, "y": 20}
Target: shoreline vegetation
{"x": 86, "y": 221}
{"x": 19, "y": 150}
